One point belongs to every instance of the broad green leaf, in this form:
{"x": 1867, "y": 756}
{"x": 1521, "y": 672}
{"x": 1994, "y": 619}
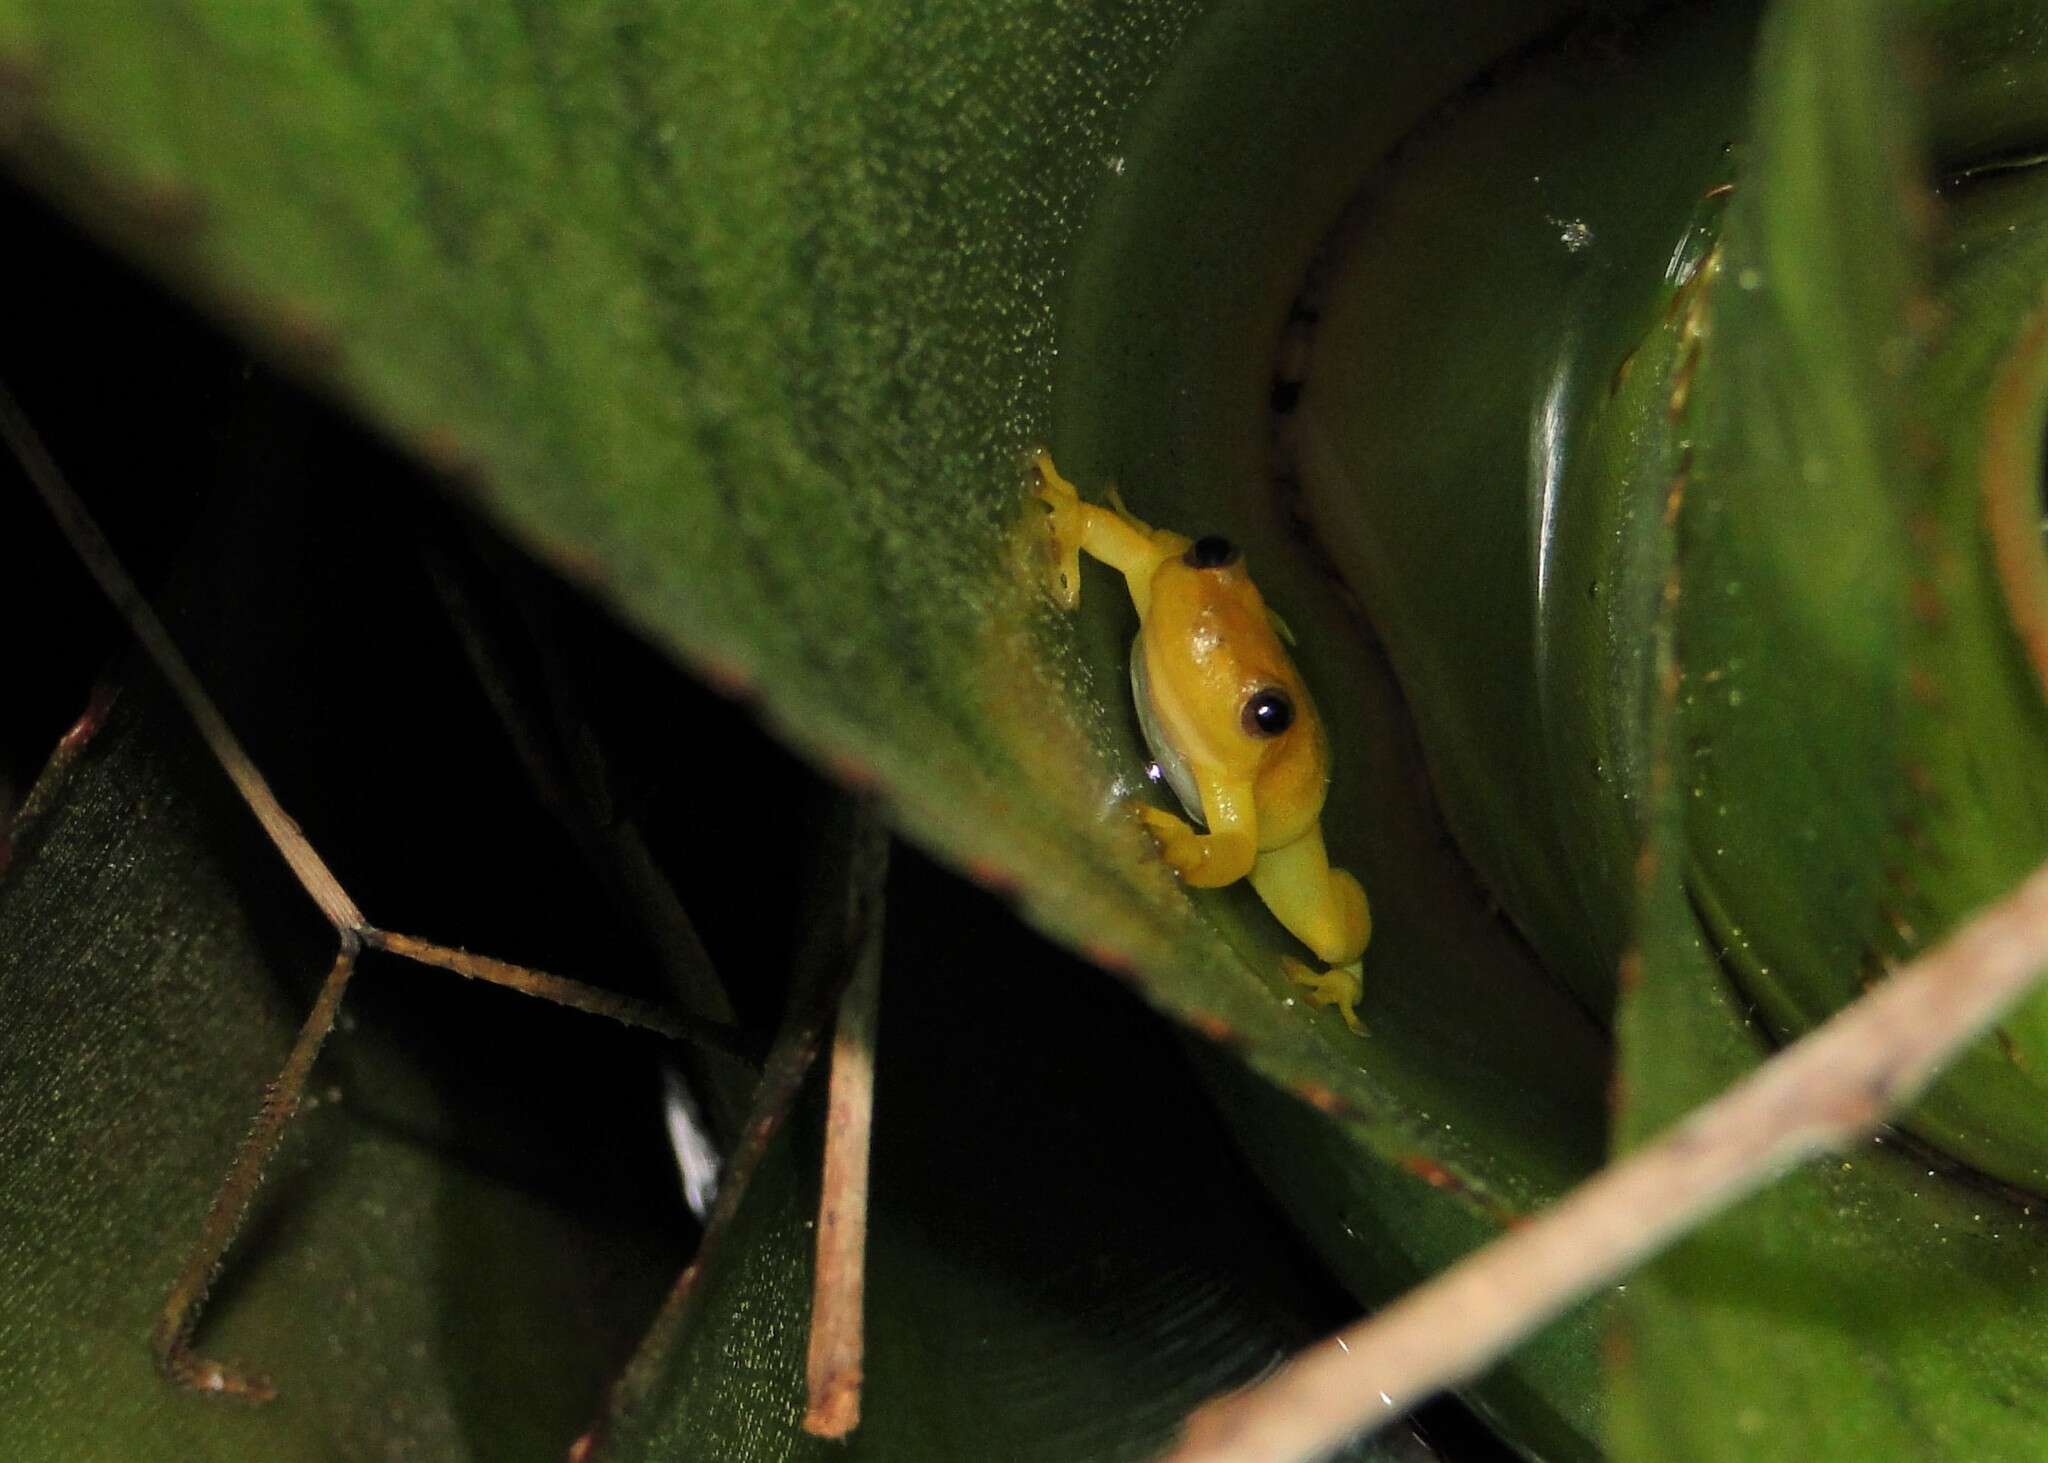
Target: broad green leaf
{"x": 1865, "y": 744}
{"x": 1883, "y": 1303}
{"x": 1060, "y": 1263}
{"x": 1440, "y": 493}
{"x": 1469, "y": 434}
{"x": 743, "y": 316}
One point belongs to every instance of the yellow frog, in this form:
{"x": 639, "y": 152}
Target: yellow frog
{"x": 1230, "y": 725}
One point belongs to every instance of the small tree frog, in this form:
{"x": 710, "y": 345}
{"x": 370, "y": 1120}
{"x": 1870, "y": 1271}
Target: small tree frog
{"x": 1230, "y": 725}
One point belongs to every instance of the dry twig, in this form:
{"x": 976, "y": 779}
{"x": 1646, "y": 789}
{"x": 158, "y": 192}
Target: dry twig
{"x": 1820, "y": 1093}
{"x": 834, "y": 1366}
{"x": 171, "y": 1337}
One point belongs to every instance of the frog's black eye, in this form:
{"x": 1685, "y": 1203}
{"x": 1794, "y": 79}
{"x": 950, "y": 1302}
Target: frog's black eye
{"x": 1212, "y": 552}
{"x": 1268, "y": 713}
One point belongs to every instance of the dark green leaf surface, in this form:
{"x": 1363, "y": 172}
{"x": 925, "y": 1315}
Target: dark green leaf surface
{"x": 1467, "y": 441}
{"x": 1864, "y": 743}
{"x": 1882, "y": 1303}
{"x": 1064, "y": 1255}
{"x": 744, "y": 317}
{"x": 406, "y": 1300}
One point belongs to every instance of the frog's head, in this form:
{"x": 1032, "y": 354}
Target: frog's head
{"x": 1224, "y": 695}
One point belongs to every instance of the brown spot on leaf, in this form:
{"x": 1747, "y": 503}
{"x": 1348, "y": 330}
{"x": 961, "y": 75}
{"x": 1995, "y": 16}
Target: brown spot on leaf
{"x": 1321, "y": 1098}
{"x": 1617, "y": 1348}
{"x": 1111, "y": 959}
{"x": 90, "y": 721}
{"x": 1674, "y": 498}
{"x": 1681, "y": 383}
{"x": 853, "y": 773}
{"x": 1617, "y": 1091}
{"x": 1928, "y": 607}
{"x": 1430, "y": 1172}
{"x": 1620, "y": 376}
{"x": 2010, "y": 1048}
{"x": 310, "y": 343}
{"x": 729, "y": 678}
{"x": 991, "y": 876}
{"x": 174, "y": 212}
{"x": 443, "y": 450}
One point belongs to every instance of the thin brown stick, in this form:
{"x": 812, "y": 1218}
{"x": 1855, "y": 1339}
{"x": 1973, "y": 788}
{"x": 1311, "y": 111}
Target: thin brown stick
{"x": 1820, "y": 1093}
{"x": 833, "y": 1369}
{"x": 43, "y": 793}
{"x": 170, "y": 1339}
{"x": 99, "y": 558}
{"x": 843, "y": 939}
{"x": 560, "y": 990}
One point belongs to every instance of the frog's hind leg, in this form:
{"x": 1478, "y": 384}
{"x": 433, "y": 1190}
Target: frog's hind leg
{"x": 1326, "y": 910}
{"x": 1322, "y": 907}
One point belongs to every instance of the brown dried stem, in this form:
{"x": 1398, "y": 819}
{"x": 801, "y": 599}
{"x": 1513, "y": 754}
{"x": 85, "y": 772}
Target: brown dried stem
{"x": 844, "y": 945}
{"x": 834, "y": 1367}
{"x": 1823, "y": 1092}
{"x": 172, "y": 1334}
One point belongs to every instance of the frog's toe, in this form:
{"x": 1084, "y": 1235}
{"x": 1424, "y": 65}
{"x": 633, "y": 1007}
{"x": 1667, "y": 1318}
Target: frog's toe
{"x": 1065, "y": 528}
{"x": 1341, "y": 986}
{"x": 1178, "y": 844}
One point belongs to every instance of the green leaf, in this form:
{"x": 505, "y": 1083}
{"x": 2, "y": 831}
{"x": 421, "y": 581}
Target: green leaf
{"x": 1864, "y": 741}
{"x": 1471, "y": 439}
{"x": 1881, "y": 1303}
{"x": 744, "y": 318}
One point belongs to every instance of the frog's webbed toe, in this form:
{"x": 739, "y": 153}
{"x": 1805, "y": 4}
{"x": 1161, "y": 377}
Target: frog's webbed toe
{"x": 1342, "y": 986}
{"x": 1066, "y": 529}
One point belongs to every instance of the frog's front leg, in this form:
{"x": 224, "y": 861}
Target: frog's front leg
{"x": 1223, "y": 855}
{"x": 1117, "y": 539}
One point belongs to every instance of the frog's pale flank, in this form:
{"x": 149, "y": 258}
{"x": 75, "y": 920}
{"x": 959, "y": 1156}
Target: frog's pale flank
{"x": 1230, "y": 724}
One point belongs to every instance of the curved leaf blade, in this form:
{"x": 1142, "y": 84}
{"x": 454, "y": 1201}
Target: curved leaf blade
{"x": 1865, "y": 744}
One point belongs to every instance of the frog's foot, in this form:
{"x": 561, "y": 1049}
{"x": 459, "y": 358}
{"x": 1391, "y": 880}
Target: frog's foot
{"x": 1341, "y": 986}
{"x": 1178, "y": 844}
{"x": 1067, "y": 526}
